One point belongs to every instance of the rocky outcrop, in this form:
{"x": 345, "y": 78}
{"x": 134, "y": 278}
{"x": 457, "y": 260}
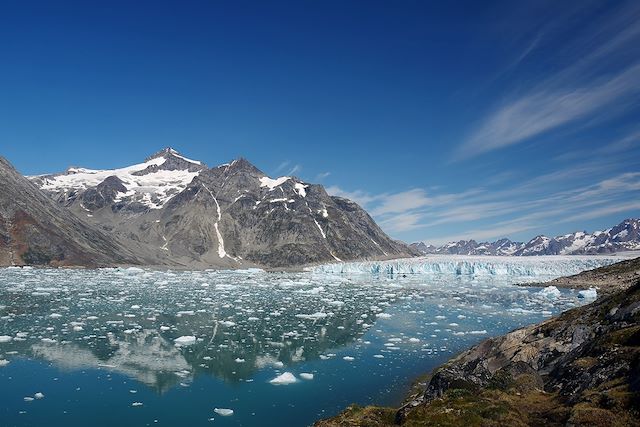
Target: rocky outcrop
{"x": 580, "y": 368}
{"x": 606, "y": 280}
{"x": 36, "y": 231}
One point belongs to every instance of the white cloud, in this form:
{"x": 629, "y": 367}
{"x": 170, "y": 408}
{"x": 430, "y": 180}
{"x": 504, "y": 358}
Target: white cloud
{"x": 546, "y": 109}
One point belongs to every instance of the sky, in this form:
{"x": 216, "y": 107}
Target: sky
{"x": 445, "y": 120}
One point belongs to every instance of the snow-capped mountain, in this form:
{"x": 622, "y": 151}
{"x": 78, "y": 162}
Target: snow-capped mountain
{"x": 176, "y": 211}
{"x": 36, "y": 230}
{"x": 623, "y": 237}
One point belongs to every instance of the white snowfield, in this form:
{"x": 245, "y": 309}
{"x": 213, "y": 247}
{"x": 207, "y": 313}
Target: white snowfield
{"x": 482, "y": 265}
{"x": 153, "y": 189}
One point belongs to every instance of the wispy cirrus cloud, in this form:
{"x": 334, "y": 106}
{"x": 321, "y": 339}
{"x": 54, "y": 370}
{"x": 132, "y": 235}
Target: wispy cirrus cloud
{"x": 546, "y": 109}
{"x": 600, "y": 74}
{"x": 485, "y": 213}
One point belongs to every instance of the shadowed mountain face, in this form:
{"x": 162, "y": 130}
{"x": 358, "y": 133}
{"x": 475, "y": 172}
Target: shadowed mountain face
{"x": 622, "y": 237}
{"x": 171, "y": 210}
{"x": 35, "y": 230}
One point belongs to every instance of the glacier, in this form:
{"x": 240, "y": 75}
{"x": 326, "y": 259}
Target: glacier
{"x": 547, "y": 267}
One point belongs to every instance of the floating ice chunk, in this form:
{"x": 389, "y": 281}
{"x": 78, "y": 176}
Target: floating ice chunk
{"x": 441, "y": 317}
{"x": 136, "y": 404}
{"x": 306, "y": 376}
{"x": 284, "y": 379}
{"x": 38, "y": 395}
{"x": 590, "y": 293}
{"x": 383, "y": 316}
{"x": 315, "y": 316}
{"x": 164, "y": 328}
{"x": 3, "y": 362}
{"x": 55, "y": 315}
{"x": 239, "y": 360}
{"x": 5, "y": 338}
{"x": 28, "y": 399}
{"x": 135, "y": 307}
{"x": 223, "y": 411}
{"x": 185, "y": 340}
{"x": 185, "y": 313}
{"x": 482, "y": 332}
{"x": 550, "y": 292}
{"x": 414, "y": 339}
{"x": 348, "y": 358}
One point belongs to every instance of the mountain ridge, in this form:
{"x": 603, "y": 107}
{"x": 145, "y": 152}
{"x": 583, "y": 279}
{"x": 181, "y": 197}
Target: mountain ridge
{"x": 179, "y": 212}
{"x": 624, "y": 236}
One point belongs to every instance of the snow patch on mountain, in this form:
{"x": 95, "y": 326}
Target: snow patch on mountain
{"x": 153, "y": 189}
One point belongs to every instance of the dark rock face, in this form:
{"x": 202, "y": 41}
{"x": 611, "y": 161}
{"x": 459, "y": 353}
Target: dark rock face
{"x": 622, "y": 237}
{"x": 35, "y": 230}
{"x": 175, "y": 211}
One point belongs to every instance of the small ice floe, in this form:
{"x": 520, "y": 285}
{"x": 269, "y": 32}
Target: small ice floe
{"x": 5, "y": 338}
{"x": 185, "y": 340}
{"x": 306, "y": 376}
{"x": 550, "y": 292}
{"x": 348, "y": 358}
{"x": 28, "y": 399}
{"x": 315, "y": 316}
{"x": 239, "y": 360}
{"x": 38, "y": 395}
{"x": 164, "y": 328}
{"x": 225, "y": 412}
{"x": 378, "y": 356}
{"x": 55, "y": 315}
{"x": 284, "y": 379}
{"x": 3, "y": 362}
{"x": 414, "y": 339}
{"x": 135, "y": 307}
{"x": 590, "y": 293}
{"x": 383, "y": 316}
{"x": 481, "y": 332}
{"x": 136, "y": 404}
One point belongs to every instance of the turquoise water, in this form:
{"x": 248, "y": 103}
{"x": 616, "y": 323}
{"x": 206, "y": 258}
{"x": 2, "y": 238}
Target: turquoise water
{"x": 100, "y": 345}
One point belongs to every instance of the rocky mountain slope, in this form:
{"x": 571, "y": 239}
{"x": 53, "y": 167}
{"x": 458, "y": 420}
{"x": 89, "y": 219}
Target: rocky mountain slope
{"x": 580, "y": 368}
{"x": 622, "y": 237}
{"x": 177, "y": 211}
{"x": 35, "y": 230}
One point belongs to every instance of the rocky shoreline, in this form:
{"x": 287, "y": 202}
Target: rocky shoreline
{"x": 579, "y": 368}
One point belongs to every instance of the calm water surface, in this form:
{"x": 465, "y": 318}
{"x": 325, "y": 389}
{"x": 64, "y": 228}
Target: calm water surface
{"x": 100, "y": 346}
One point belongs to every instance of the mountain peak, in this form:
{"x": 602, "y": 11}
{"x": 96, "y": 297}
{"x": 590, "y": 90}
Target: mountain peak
{"x": 169, "y": 152}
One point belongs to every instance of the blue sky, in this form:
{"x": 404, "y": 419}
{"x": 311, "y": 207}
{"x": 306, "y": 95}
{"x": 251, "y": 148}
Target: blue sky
{"x": 446, "y": 120}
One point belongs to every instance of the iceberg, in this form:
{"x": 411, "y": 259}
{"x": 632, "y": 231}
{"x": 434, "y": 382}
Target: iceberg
{"x": 185, "y": 340}
{"x": 223, "y": 411}
{"x": 590, "y": 293}
{"x": 284, "y": 379}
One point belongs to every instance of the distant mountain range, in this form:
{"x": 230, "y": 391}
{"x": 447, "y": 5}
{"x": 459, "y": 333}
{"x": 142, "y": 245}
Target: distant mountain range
{"x": 174, "y": 211}
{"x": 622, "y": 237}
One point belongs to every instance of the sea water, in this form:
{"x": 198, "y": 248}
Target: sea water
{"x": 238, "y": 348}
